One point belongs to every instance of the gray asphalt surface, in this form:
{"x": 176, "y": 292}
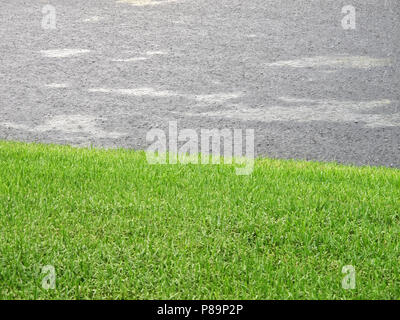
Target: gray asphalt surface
{"x": 310, "y": 89}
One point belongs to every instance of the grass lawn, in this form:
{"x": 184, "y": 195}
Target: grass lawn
{"x": 115, "y": 227}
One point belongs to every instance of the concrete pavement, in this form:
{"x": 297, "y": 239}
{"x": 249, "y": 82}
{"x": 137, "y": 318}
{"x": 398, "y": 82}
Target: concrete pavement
{"x": 112, "y": 70}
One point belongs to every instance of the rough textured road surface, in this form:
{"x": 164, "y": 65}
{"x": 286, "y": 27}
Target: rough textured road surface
{"x": 112, "y": 70}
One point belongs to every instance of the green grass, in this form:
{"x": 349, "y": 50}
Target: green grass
{"x": 115, "y": 227}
